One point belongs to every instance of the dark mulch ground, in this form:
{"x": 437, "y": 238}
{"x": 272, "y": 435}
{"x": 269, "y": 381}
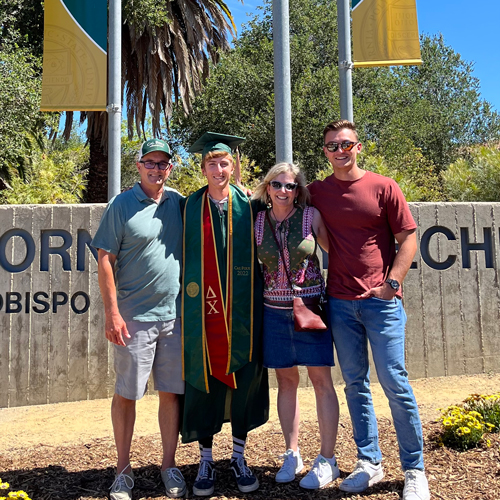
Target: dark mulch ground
{"x": 85, "y": 472}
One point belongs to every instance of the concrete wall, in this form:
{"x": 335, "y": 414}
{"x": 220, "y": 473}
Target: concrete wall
{"x": 52, "y": 345}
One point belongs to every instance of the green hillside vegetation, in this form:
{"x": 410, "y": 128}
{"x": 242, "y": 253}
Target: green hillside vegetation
{"x": 425, "y": 126}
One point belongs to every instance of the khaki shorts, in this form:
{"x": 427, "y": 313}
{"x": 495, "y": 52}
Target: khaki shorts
{"x": 152, "y": 347}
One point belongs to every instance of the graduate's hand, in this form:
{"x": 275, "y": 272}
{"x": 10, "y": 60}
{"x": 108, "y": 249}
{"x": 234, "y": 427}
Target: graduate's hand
{"x": 116, "y": 329}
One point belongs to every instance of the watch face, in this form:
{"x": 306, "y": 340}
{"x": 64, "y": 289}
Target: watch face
{"x": 394, "y": 284}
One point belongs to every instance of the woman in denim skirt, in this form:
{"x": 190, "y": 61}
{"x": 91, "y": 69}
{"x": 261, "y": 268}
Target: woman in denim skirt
{"x": 285, "y": 234}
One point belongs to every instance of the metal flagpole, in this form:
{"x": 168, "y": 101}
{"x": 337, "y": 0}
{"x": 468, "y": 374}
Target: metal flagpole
{"x": 345, "y": 59}
{"x": 114, "y": 107}
{"x": 282, "y": 86}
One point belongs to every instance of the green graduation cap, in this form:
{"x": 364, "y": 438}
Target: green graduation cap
{"x": 213, "y": 141}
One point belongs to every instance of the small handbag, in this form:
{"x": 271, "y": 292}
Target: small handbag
{"x": 309, "y": 312}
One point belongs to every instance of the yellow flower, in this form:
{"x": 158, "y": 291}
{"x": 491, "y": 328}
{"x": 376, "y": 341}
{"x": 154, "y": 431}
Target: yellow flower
{"x": 465, "y": 430}
{"x": 4, "y": 486}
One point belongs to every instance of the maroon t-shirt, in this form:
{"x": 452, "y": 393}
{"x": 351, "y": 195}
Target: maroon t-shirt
{"x": 362, "y": 217}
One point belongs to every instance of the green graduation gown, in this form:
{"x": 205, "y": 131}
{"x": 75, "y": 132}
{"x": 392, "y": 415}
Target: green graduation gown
{"x": 208, "y": 402}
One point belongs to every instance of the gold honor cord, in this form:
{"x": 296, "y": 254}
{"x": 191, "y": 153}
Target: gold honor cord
{"x": 252, "y": 270}
{"x": 229, "y": 280}
{"x": 183, "y": 285}
{"x": 204, "y": 333}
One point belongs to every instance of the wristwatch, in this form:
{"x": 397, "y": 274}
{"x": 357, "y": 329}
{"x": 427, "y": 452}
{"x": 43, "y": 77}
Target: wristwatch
{"x": 394, "y": 284}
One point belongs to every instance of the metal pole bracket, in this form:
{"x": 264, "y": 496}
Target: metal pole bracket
{"x": 346, "y": 65}
{"x": 113, "y": 108}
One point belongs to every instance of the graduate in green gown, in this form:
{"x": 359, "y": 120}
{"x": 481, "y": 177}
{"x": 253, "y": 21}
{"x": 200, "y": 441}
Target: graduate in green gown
{"x": 221, "y": 316}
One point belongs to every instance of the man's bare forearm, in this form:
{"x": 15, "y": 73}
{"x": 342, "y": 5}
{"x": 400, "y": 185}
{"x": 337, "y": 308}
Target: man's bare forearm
{"x": 407, "y": 241}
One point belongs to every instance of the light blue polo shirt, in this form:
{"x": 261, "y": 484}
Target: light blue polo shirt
{"x": 146, "y": 238}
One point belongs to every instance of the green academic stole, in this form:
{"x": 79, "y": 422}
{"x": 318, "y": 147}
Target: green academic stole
{"x": 217, "y": 334}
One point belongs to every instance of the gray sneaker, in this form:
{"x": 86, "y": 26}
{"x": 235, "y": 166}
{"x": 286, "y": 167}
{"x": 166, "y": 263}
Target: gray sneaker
{"x": 174, "y": 482}
{"x": 121, "y": 489}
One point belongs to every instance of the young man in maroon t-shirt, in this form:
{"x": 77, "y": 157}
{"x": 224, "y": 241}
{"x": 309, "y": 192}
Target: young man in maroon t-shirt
{"x": 364, "y": 214}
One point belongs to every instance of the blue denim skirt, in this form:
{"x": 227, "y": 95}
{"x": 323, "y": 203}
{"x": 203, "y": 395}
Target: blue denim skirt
{"x": 284, "y": 347}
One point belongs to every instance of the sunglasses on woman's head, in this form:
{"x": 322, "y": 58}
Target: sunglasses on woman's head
{"x": 289, "y": 186}
{"x": 345, "y": 145}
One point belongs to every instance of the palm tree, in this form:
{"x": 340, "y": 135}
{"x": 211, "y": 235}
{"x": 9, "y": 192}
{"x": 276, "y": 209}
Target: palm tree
{"x": 164, "y": 63}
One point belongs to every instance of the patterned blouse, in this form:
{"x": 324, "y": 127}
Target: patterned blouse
{"x": 295, "y": 234}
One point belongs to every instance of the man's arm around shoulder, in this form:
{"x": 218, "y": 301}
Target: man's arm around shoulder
{"x": 115, "y": 326}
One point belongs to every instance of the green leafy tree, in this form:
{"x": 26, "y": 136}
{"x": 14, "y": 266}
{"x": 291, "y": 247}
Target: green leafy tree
{"x": 22, "y": 126}
{"x": 416, "y": 118}
{"x": 25, "y": 17}
{"x": 435, "y": 107}
{"x": 166, "y": 49}
{"x": 238, "y": 98}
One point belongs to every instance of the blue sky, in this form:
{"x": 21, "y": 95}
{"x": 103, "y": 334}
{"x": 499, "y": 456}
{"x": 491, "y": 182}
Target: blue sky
{"x": 471, "y": 28}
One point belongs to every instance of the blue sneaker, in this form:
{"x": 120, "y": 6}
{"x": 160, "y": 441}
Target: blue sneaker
{"x": 245, "y": 479}
{"x": 204, "y": 484}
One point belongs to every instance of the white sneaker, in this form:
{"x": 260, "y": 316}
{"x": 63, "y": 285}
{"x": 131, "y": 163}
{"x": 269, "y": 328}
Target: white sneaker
{"x": 416, "y": 485}
{"x": 121, "y": 489}
{"x": 364, "y": 475}
{"x": 292, "y": 465}
{"x": 322, "y": 473}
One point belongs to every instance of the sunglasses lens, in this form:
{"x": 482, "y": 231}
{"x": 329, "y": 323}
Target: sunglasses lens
{"x": 289, "y": 186}
{"x": 347, "y": 146}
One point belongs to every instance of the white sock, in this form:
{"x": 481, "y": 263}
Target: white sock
{"x": 206, "y": 453}
{"x": 238, "y": 448}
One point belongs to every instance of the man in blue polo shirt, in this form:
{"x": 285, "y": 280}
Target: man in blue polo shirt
{"x": 140, "y": 252}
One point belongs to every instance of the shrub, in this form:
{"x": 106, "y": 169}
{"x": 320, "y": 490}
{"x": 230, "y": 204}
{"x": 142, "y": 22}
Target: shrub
{"x": 476, "y": 177}
{"x": 464, "y": 427}
{"x": 487, "y": 406}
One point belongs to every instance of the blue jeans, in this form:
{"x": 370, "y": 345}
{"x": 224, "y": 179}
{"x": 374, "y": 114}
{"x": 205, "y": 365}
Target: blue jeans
{"x": 382, "y": 323}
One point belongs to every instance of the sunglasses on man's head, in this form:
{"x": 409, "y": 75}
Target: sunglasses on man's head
{"x": 345, "y": 145}
{"x": 162, "y": 165}
{"x": 289, "y": 186}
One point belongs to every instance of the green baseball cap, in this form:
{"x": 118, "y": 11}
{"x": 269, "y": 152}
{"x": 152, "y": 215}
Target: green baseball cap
{"x": 213, "y": 141}
{"x": 154, "y": 145}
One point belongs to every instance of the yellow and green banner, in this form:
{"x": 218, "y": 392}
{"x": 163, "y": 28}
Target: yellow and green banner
{"x": 74, "y": 55}
{"x": 385, "y": 33}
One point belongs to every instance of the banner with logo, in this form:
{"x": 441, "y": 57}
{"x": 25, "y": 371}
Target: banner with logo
{"x": 74, "y": 55}
{"x": 385, "y": 33}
